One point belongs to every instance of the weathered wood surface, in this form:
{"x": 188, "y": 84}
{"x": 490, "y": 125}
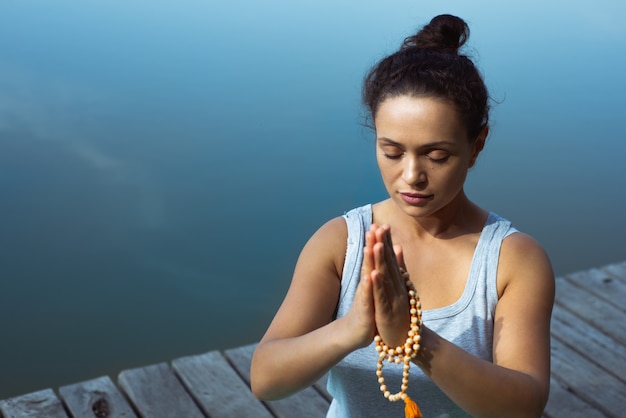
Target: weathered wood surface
{"x": 306, "y": 403}
{"x": 156, "y": 392}
{"x": 95, "y": 398}
{"x": 588, "y": 376}
{"x": 225, "y": 394}
{"x": 40, "y": 404}
{"x": 588, "y": 371}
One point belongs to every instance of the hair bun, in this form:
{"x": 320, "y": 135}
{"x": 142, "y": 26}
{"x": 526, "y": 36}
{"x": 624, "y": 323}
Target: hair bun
{"x": 444, "y": 32}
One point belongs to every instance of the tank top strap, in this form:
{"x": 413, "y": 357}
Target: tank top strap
{"x": 496, "y": 229}
{"x": 358, "y": 221}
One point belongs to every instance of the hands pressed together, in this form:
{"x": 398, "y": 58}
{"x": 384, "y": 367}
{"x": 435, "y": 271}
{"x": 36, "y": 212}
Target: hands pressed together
{"x": 381, "y": 303}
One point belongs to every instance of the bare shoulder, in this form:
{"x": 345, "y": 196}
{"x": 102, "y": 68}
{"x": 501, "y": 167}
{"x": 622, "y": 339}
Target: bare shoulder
{"x": 526, "y": 297}
{"x": 326, "y": 246}
{"x": 314, "y": 290}
{"x": 523, "y": 259}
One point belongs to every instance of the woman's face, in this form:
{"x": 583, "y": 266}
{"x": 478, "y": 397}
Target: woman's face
{"x": 423, "y": 152}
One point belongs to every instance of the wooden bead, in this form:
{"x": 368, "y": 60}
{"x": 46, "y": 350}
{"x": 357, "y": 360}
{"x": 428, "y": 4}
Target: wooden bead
{"x": 403, "y": 353}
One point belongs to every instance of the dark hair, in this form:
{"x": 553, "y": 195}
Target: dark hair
{"x": 428, "y": 64}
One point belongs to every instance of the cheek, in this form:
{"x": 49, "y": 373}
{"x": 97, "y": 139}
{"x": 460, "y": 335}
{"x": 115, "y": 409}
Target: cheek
{"x": 387, "y": 171}
{"x": 447, "y": 176}
{"x": 455, "y": 178}
{"x": 382, "y": 163}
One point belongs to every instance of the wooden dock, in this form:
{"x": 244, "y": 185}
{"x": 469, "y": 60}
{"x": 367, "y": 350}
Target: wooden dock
{"x": 588, "y": 371}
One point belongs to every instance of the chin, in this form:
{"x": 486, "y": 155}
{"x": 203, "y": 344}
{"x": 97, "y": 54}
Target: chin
{"x": 415, "y": 211}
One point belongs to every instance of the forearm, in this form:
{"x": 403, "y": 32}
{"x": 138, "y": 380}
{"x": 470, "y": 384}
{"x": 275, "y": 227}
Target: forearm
{"x": 481, "y": 388}
{"x": 281, "y": 367}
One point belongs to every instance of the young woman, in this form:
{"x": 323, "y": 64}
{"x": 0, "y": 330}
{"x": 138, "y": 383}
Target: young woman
{"x": 486, "y": 289}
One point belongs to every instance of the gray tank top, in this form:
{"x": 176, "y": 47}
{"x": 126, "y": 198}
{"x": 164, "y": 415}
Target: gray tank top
{"x": 468, "y": 323}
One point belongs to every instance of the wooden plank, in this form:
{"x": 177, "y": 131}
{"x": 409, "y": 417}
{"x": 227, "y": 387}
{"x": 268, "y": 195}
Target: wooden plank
{"x": 602, "y": 285}
{"x": 305, "y": 403}
{"x": 598, "y": 348}
{"x": 41, "y": 404}
{"x": 98, "y": 398}
{"x": 217, "y": 388}
{"x": 156, "y": 392}
{"x": 587, "y": 381}
{"x": 588, "y": 371}
{"x": 320, "y": 385}
{"x": 602, "y": 316}
{"x": 563, "y": 403}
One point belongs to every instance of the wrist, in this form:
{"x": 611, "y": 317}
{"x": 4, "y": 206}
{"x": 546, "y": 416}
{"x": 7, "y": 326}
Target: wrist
{"x": 429, "y": 344}
{"x": 349, "y": 336}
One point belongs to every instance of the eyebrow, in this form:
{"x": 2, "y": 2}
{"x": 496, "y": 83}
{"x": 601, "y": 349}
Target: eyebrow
{"x": 388, "y": 141}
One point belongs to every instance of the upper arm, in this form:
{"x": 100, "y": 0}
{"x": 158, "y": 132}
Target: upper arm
{"x": 522, "y": 318}
{"x": 313, "y": 294}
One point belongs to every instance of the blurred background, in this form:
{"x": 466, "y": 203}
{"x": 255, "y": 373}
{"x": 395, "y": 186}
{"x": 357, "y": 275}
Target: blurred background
{"x": 162, "y": 164}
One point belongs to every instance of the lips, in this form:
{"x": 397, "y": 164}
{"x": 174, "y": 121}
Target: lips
{"x": 415, "y": 198}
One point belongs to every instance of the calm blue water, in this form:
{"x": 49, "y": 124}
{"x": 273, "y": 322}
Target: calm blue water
{"x": 162, "y": 165}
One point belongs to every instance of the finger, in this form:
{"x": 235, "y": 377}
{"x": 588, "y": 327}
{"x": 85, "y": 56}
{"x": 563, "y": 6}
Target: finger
{"x": 397, "y": 249}
{"x": 389, "y": 248}
{"x": 368, "y": 262}
{"x": 362, "y": 311}
{"x": 364, "y": 295}
{"x": 388, "y": 276}
{"x": 373, "y": 229}
{"x": 380, "y": 233}
{"x": 381, "y": 259}
{"x": 368, "y": 254}
{"x": 388, "y": 320}
{"x": 383, "y": 235}
{"x": 391, "y": 261}
{"x": 382, "y": 302}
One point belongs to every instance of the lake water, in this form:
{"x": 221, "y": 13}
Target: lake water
{"x": 162, "y": 165}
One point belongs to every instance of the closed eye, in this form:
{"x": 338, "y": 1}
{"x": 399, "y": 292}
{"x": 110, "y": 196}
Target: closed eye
{"x": 391, "y": 151}
{"x": 392, "y": 156}
{"x": 439, "y": 160}
{"x": 438, "y": 156}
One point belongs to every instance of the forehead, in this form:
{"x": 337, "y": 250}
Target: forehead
{"x": 405, "y": 118}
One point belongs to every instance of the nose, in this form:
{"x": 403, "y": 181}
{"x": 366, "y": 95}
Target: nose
{"x": 413, "y": 173}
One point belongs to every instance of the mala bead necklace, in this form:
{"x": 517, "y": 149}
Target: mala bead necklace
{"x": 402, "y": 353}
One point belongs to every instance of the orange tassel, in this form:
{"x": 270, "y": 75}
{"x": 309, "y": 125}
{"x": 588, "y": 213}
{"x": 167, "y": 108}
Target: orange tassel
{"x": 411, "y": 410}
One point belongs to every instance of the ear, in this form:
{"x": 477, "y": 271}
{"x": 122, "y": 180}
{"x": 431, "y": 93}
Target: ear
{"x": 479, "y": 144}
